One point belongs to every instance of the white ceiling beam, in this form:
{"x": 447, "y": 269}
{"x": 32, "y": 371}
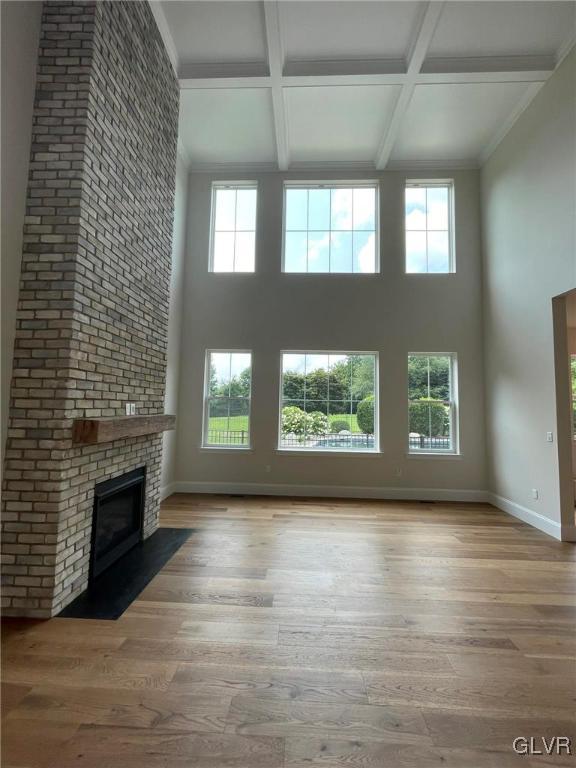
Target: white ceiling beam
{"x": 275, "y": 66}
{"x": 415, "y": 60}
{"x": 314, "y": 81}
{"x": 164, "y": 29}
{"x": 326, "y": 80}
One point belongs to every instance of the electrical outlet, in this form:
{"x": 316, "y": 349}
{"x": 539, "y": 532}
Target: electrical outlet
{"x": 398, "y": 472}
{"x": 127, "y": 408}
{"x": 549, "y": 437}
{"x": 132, "y": 409}
{"x": 534, "y": 493}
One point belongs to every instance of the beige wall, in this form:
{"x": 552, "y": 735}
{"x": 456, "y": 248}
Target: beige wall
{"x": 175, "y": 321}
{"x": 529, "y": 220}
{"x": 391, "y": 313}
{"x": 20, "y": 35}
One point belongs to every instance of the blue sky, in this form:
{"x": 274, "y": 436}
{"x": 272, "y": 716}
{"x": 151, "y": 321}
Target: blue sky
{"x": 330, "y": 230}
{"x": 427, "y": 245}
{"x": 234, "y": 230}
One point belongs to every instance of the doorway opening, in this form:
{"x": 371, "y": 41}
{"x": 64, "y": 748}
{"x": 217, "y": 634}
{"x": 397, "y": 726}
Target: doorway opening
{"x": 564, "y": 315}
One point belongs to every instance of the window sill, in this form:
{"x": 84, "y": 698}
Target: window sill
{"x": 433, "y": 455}
{"x": 333, "y": 274}
{"x": 375, "y": 454}
{"x": 225, "y": 449}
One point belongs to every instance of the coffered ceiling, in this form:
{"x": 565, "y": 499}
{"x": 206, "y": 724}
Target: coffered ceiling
{"x": 299, "y": 84}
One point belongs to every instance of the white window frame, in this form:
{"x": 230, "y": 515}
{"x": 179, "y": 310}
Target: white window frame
{"x": 454, "y": 450}
{"x": 427, "y": 183}
{"x": 206, "y": 401}
{"x": 332, "y": 452}
{"x": 216, "y": 185}
{"x": 346, "y": 184}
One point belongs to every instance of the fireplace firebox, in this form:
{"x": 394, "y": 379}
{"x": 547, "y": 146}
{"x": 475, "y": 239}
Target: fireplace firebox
{"x": 117, "y": 523}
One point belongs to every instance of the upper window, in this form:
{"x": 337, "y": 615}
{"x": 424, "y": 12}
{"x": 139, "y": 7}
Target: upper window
{"x": 330, "y": 228}
{"x": 227, "y": 399}
{"x": 329, "y": 401}
{"x": 431, "y": 403}
{"x": 428, "y": 217}
{"x": 233, "y": 240}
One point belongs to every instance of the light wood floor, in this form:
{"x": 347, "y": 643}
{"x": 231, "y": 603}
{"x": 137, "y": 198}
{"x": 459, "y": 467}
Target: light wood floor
{"x": 306, "y": 633}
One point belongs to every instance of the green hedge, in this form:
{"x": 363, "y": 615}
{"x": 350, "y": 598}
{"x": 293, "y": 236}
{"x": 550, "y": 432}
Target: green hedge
{"x": 365, "y": 415}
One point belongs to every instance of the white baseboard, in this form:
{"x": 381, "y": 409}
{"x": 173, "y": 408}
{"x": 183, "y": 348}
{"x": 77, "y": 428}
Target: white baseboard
{"x": 167, "y": 490}
{"x": 333, "y": 491}
{"x": 544, "y": 524}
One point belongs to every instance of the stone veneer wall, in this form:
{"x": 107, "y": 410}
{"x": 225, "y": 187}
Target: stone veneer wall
{"x": 93, "y": 305}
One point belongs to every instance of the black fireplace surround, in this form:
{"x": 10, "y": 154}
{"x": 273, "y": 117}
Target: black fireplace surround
{"x": 117, "y": 523}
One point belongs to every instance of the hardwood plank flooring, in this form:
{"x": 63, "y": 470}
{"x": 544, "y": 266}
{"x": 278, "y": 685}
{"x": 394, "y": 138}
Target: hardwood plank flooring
{"x": 311, "y": 633}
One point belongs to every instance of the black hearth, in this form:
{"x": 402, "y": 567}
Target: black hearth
{"x": 117, "y": 523}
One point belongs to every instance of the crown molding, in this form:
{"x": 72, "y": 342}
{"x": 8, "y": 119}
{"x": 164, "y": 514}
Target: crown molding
{"x": 238, "y": 70}
{"x": 234, "y": 168}
{"x": 468, "y": 64}
{"x": 463, "y": 164}
{"x": 565, "y": 48}
{"x": 347, "y": 66}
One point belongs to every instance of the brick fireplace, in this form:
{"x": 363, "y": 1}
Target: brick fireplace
{"x": 94, "y": 291}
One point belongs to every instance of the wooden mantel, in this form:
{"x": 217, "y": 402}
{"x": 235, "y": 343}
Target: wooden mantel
{"x": 105, "y": 430}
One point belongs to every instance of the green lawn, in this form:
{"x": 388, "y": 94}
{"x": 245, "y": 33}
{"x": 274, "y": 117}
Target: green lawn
{"x": 228, "y": 431}
{"x": 239, "y": 423}
{"x": 234, "y": 423}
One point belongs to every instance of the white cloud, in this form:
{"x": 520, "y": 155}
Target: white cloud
{"x": 366, "y": 254}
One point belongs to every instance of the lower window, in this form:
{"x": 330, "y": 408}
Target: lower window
{"x": 431, "y": 403}
{"x": 329, "y": 401}
{"x": 227, "y": 399}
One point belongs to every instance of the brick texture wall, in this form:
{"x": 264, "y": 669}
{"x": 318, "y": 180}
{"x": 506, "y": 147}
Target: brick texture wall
{"x": 93, "y": 305}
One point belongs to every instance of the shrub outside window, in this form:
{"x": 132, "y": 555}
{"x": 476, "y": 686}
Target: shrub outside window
{"x": 432, "y": 403}
{"x": 329, "y": 401}
{"x": 227, "y": 399}
{"x": 428, "y": 224}
{"x": 331, "y": 228}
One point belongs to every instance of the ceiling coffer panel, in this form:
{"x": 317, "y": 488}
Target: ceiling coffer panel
{"x": 227, "y": 126}
{"x": 326, "y": 83}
